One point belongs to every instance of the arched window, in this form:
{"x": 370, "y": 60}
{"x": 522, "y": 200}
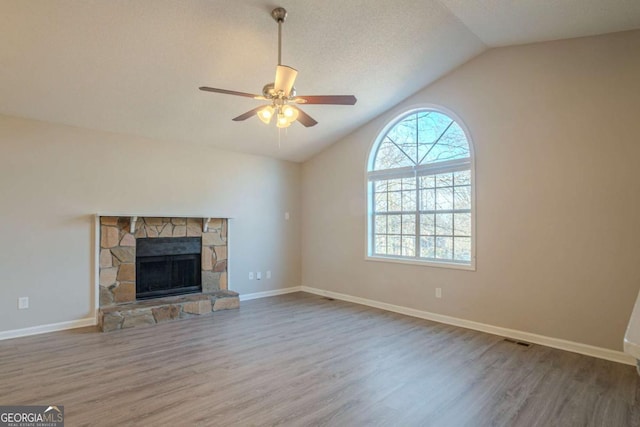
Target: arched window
{"x": 420, "y": 179}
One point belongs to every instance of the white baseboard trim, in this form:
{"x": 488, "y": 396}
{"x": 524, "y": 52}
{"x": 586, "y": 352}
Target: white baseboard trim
{"x": 256, "y": 295}
{"x": 575, "y": 347}
{"x": 92, "y": 321}
{"x": 42, "y": 329}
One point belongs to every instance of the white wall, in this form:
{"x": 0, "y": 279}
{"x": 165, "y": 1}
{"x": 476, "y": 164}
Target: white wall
{"x": 53, "y": 178}
{"x": 555, "y": 129}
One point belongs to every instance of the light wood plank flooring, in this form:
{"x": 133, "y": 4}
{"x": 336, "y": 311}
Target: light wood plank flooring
{"x": 300, "y": 360}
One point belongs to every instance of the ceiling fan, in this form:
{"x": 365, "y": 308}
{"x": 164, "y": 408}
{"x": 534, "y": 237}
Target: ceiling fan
{"x": 281, "y": 94}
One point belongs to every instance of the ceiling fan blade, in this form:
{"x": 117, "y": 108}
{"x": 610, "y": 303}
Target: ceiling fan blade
{"x": 248, "y": 114}
{"x": 285, "y": 77}
{"x": 305, "y": 119}
{"x": 326, "y": 99}
{"x": 231, "y": 92}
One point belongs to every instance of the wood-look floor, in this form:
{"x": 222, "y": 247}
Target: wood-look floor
{"x": 300, "y": 360}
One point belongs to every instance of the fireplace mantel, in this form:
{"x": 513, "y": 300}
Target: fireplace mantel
{"x": 206, "y": 218}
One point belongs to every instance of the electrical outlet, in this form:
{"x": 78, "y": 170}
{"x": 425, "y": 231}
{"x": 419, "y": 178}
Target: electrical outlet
{"x": 251, "y": 275}
{"x": 268, "y": 274}
{"x": 287, "y": 216}
{"x": 23, "y": 303}
{"x": 438, "y": 292}
{"x": 258, "y": 276}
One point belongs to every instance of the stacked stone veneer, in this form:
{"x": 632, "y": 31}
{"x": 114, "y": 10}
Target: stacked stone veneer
{"x": 118, "y": 265}
{"x": 151, "y": 312}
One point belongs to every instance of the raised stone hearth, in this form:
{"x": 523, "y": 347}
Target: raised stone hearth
{"x": 118, "y": 306}
{"x": 151, "y": 312}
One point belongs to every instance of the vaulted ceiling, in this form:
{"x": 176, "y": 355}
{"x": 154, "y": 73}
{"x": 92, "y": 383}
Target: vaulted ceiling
{"x": 134, "y": 67}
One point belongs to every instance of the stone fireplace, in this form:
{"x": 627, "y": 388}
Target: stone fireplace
{"x": 153, "y": 269}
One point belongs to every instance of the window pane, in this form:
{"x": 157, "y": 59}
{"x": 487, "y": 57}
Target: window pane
{"x": 455, "y": 142}
{"x": 380, "y": 186}
{"x": 380, "y": 245}
{"x": 444, "y": 247}
{"x": 409, "y": 183}
{"x": 444, "y": 224}
{"x": 428, "y": 181}
{"x": 404, "y": 135}
{"x": 427, "y": 200}
{"x": 444, "y": 198}
{"x": 427, "y": 247}
{"x": 395, "y": 184}
{"x": 395, "y": 201}
{"x": 389, "y": 156}
{"x": 393, "y": 224}
{"x": 425, "y": 140}
{"x": 444, "y": 180}
{"x": 408, "y": 246}
{"x": 432, "y": 126}
{"x": 381, "y": 224}
{"x": 451, "y": 145}
{"x": 462, "y": 248}
{"x": 381, "y": 202}
{"x": 462, "y": 224}
{"x": 427, "y": 224}
{"x": 462, "y": 177}
{"x": 435, "y": 124}
{"x": 394, "y": 245}
{"x": 409, "y": 224}
{"x": 409, "y": 200}
{"x": 462, "y": 197}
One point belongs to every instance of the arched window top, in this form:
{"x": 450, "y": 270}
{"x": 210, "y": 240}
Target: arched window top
{"x": 419, "y": 138}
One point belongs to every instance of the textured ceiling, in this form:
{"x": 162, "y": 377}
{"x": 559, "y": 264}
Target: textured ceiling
{"x": 134, "y": 66}
{"x": 510, "y": 22}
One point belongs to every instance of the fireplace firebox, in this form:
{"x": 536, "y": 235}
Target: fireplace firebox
{"x": 168, "y": 266}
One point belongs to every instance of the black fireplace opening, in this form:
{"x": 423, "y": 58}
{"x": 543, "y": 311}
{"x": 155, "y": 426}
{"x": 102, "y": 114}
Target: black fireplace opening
{"x": 168, "y": 266}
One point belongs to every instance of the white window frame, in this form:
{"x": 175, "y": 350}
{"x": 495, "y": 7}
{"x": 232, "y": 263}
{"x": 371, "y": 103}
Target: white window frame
{"x": 419, "y": 170}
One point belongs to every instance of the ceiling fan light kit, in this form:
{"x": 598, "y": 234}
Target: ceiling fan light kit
{"x": 282, "y": 94}
{"x": 265, "y": 114}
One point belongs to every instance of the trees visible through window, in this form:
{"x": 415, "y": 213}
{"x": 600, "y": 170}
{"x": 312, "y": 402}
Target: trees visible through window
{"x": 420, "y": 191}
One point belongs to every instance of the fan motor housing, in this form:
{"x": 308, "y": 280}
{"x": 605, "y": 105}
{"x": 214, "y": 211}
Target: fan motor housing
{"x": 268, "y": 91}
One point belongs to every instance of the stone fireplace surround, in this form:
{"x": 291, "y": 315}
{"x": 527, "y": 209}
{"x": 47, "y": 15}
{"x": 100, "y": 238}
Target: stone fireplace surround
{"x": 118, "y": 308}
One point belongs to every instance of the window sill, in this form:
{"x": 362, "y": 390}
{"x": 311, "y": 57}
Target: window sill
{"x": 449, "y": 265}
